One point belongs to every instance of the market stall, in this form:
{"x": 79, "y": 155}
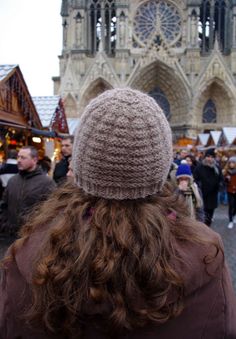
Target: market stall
{"x": 18, "y": 114}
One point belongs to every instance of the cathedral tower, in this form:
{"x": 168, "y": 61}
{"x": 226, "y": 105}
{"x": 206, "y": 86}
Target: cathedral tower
{"x": 183, "y": 53}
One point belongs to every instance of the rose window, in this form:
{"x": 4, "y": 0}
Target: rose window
{"x": 156, "y": 21}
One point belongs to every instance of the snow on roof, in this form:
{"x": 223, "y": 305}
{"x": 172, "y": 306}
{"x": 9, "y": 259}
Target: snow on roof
{"x": 5, "y": 70}
{"x": 46, "y": 106}
{"x": 203, "y": 138}
{"x": 229, "y": 134}
{"x": 215, "y": 136}
{"x": 72, "y": 124}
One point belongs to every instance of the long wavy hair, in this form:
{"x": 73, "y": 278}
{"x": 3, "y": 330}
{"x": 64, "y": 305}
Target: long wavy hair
{"x": 108, "y": 260}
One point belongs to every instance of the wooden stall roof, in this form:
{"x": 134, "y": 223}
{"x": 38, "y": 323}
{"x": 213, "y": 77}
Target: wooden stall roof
{"x": 16, "y": 105}
{"x": 52, "y": 113}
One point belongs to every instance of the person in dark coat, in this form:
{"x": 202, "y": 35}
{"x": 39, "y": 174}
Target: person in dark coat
{"x": 115, "y": 254}
{"x": 8, "y": 170}
{"x": 208, "y": 177}
{"x": 62, "y": 167}
{"x": 24, "y": 190}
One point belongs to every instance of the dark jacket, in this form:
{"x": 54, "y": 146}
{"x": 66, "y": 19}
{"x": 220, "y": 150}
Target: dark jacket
{"x": 210, "y": 305}
{"x": 7, "y": 171}
{"x": 23, "y": 191}
{"x": 61, "y": 169}
{"x": 209, "y": 180}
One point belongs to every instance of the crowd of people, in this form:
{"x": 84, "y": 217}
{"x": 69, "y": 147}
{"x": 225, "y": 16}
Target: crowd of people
{"x": 26, "y": 181}
{"x": 213, "y": 178}
{"x": 116, "y": 243}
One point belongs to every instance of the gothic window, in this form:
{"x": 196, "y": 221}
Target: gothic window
{"x": 162, "y": 101}
{"x": 157, "y": 21}
{"x": 102, "y": 26}
{"x": 209, "y": 112}
{"x": 214, "y": 24}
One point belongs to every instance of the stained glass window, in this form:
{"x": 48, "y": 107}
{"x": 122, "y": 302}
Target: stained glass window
{"x": 157, "y": 21}
{"x": 209, "y": 112}
{"x": 162, "y": 101}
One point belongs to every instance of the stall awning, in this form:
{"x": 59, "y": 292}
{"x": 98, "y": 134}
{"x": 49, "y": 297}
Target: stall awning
{"x": 43, "y": 133}
{"x": 12, "y": 124}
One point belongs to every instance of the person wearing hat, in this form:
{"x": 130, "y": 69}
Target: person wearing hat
{"x": 189, "y": 189}
{"x": 229, "y": 173}
{"x": 208, "y": 176}
{"x": 116, "y": 254}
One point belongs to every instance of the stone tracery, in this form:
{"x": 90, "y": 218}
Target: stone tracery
{"x": 157, "y": 21}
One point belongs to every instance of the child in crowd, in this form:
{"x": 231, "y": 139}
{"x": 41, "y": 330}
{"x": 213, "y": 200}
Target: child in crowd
{"x": 190, "y": 190}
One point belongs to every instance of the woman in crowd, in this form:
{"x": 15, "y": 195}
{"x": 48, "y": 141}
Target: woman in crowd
{"x": 116, "y": 254}
{"x": 229, "y": 173}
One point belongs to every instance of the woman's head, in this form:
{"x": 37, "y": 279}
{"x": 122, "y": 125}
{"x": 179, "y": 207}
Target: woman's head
{"x": 123, "y": 146}
{"x": 232, "y": 162}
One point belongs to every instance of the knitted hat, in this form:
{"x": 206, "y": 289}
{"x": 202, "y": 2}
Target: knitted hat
{"x": 232, "y": 159}
{"x": 210, "y": 153}
{"x": 183, "y": 170}
{"x": 123, "y": 146}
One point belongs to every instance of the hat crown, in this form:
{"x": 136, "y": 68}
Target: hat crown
{"x": 232, "y": 159}
{"x": 123, "y": 146}
{"x": 183, "y": 170}
{"x": 210, "y": 152}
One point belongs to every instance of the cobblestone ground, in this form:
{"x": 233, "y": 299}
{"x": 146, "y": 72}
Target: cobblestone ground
{"x": 219, "y": 225}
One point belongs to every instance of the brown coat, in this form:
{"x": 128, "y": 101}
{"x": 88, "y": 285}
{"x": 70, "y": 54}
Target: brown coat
{"x": 210, "y": 304}
{"x": 230, "y": 182}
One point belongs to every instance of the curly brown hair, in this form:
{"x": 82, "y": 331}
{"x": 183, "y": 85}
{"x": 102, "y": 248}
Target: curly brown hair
{"x": 107, "y": 255}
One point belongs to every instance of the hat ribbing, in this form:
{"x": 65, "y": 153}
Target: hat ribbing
{"x": 123, "y": 146}
{"x": 183, "y": 170}
{"x": 232, "y": 159}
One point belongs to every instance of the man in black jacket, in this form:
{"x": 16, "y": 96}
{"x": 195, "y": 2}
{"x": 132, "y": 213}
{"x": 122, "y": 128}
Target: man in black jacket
{"x": 24, "y": 190}
{"x": 208, "y": 176}
{"x": 62, "y": 167}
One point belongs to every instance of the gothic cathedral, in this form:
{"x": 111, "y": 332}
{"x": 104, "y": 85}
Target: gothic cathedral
{"x": 182, "y": 52}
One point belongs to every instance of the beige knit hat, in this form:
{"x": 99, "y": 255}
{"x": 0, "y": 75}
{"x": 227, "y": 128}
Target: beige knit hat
{"x": 123, "y": 146}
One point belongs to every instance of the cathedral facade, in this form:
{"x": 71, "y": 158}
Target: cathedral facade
{"x": 182, "y": 53}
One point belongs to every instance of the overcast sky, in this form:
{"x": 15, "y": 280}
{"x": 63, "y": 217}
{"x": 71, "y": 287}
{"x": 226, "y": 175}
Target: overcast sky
{"x": 31, "y": 36}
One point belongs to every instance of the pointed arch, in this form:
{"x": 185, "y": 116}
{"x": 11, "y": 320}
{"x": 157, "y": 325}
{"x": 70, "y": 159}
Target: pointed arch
{"x": 102, "y": 26}
{"x": 218, "y": 92}
{"x": 158, "y": 74}
{"x": 214, "y": 24}
{"x": 95, "y": 88}
{"x": 70, "y": 106}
